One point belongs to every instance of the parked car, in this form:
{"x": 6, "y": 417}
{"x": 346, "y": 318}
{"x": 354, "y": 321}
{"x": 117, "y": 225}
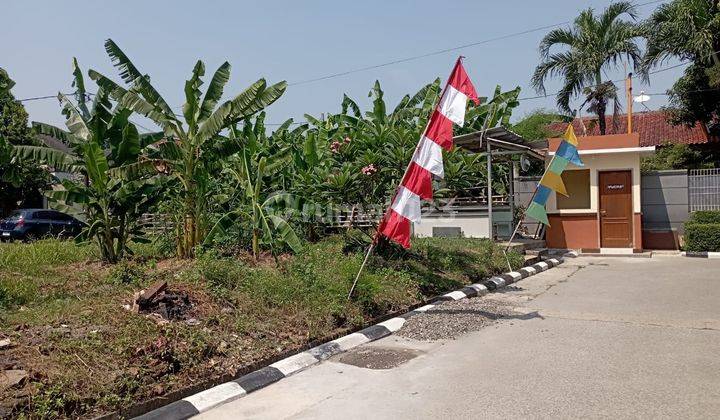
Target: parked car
{"x": 28, "y": 224}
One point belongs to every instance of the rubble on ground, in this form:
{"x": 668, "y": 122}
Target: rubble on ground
{"x": 162, "y": 304}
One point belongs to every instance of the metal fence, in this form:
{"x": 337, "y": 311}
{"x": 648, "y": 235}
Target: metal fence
{"x": 704, "y": 189}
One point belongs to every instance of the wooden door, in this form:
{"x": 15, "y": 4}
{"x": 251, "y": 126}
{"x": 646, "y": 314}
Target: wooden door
{"x": 616, "y": 213}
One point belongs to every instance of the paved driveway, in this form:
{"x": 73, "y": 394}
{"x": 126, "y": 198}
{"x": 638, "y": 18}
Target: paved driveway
{"x": 602, "y": 338}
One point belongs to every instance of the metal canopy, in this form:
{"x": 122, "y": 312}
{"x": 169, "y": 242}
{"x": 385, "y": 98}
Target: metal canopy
{"x": 501, "y": 141}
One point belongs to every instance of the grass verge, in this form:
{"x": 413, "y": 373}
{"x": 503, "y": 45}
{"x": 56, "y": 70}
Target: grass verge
{"x": 86, "y": 355}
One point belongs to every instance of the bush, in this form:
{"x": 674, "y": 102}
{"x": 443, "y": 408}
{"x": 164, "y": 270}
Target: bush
{"x": 702, "y": 237}
{"x": 705, "y": 217}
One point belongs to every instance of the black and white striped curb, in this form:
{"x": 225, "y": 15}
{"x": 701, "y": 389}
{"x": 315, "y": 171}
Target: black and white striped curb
{"x": 223, "y": 393}
{"x": 701, "y": 254}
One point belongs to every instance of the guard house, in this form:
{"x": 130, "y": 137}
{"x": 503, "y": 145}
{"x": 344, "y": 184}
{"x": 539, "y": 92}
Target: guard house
{"x": 472, "y": 217}
{"x": 602, "y": 212}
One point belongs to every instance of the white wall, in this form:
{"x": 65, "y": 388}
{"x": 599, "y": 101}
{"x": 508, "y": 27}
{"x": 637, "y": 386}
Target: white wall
{"x": 471, "y": 226}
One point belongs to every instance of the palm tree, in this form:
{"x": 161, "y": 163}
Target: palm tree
{"x": 592, "y": 45}
{"x": 685, "y": 29}
{"x": 191, "y": 151}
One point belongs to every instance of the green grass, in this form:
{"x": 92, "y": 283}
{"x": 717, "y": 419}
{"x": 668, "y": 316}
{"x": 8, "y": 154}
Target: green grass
{"x": 36, "y": 257}
{"x": 26, "y": 267}
{"x": 108, "y": 357}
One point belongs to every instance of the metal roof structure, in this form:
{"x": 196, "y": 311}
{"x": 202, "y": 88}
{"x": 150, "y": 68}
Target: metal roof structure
{"x": 502, "y": 142}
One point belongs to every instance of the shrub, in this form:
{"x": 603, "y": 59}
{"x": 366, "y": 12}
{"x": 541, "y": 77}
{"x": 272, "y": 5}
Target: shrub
{"x": 700, "y": 237}
{"x": 705, "y": 216}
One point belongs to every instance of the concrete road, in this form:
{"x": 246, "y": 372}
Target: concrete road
{"x": 615, "y": 338}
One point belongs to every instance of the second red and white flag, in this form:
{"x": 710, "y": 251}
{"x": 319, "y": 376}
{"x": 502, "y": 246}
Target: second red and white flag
{"x": 427, "y": 160}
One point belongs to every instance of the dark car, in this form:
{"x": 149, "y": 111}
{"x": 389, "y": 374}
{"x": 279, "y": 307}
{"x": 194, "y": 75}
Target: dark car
{"x": 28, "y": 224}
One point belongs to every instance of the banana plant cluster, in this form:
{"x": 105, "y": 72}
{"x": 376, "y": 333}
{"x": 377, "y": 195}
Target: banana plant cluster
{"x": 254, "y": 193}
{"x": 193, "y": 146}
{"x": 102, "y": 141}
{"x": 219, "y": 170}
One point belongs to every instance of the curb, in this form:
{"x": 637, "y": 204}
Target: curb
{"x": 693, "y": 254}
{"x": 229, "y": 391}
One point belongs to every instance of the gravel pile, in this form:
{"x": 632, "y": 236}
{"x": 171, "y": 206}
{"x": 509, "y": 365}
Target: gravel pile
{"x": 452, "y": 319}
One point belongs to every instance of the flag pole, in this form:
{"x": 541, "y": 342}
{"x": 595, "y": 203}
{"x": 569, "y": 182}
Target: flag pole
{"x": 537, "y": 186}
{"x": 357, "y": 277}
{"x": 520, "y": 221}
{"x": 407, "y": 169}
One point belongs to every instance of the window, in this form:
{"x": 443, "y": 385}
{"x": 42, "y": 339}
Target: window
{"x": 56, "y": 215}
{"x": 43, "y": 215}
{"x": 577, "y": 184}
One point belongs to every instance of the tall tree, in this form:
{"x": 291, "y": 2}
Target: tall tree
{"x": 13, "y": 117}
{"x": 21, "y": 183}
{"x": 193, "y": 146}
{"x": 593, "y": 44}
{"x": 688, "y": 30}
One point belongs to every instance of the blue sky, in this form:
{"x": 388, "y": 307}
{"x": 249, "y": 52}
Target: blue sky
{"x": 286, "y": 40}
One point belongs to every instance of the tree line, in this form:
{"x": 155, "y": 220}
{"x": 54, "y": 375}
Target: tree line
{"x": 217, "y": 172}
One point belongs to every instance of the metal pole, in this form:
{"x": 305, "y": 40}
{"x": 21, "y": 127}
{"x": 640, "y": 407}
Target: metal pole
{"x": 491, "y": 115}
{"x": 489, "y": 189}
{"x": 513, "y": 168}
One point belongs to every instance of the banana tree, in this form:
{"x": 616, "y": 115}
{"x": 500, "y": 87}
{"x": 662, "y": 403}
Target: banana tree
{"x": 193, "y": 148}
{"x": 102, "y": 140}
{"x": 491, "y": 113}
{"x": 249, "y": 174}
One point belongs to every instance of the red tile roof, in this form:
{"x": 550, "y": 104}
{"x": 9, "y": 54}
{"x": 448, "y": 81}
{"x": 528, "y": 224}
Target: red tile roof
{"x": 652, "y": 126}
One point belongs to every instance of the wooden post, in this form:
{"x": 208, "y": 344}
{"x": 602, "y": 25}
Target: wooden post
{"x": 629, "y": 98}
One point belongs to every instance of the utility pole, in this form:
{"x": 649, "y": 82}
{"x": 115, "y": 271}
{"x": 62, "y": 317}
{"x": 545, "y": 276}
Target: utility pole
{"x": 629, "y": 99}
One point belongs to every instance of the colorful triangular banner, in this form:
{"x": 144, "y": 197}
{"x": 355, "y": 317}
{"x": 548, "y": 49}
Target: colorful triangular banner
{"x": 537, "y": 212}
{"x": 554, "y": 182}
{"x": 566, "y": 153}
{"x": 569, "y": 135}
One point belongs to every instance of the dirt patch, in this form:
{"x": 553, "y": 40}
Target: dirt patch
{"x": 453, "y": 319}
{"x": 374, "y": 357}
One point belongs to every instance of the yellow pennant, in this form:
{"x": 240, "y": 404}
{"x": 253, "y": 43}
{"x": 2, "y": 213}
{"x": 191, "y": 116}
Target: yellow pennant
{"x": 569, "y": 135}
{"x": 554, "y": 182}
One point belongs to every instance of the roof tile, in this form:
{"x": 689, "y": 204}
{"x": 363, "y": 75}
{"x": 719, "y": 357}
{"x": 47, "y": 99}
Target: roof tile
{"x": 652, "y": 126}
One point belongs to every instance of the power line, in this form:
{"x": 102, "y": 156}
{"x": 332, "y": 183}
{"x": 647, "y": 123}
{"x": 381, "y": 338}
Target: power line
{"x": 439, "y": 52}
{"x": 527, "y": 98}
{"x": 685, "y": 91}
{"x": 443, "y": 51}
{"x": 683, "y": 63}
{"x": 417, "y": 57}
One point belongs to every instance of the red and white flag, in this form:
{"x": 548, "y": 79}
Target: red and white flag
{"x": 427, "y": 161}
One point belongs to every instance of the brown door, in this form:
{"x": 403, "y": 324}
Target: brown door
{"x": 616, "y": 215}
